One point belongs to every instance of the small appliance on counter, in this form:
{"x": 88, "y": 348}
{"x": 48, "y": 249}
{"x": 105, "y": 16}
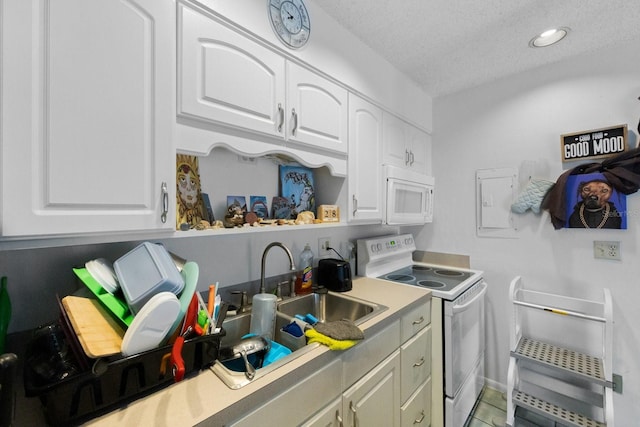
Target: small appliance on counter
{"x": 334, "y": 274}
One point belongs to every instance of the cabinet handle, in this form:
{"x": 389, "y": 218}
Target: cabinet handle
{"x": 355, "y": 205}
{"x": 355, "y": 415}
{"x": 419, "y": 363}
{"x": 419, "y": 321}
{"x": 165, "y": 202}
{"x": 419, "y": 420}
{"x": 406, "y": 157}
{"x": 339, "y": 418}
{"x": 294, "y": 117}
{"x": 412, "y": 158}
{"x": 280, "y": 118}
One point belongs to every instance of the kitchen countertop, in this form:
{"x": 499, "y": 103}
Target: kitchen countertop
{"x": 204, "y": 399}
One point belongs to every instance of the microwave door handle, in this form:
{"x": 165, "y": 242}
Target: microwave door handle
{"x": 465, "y": 306}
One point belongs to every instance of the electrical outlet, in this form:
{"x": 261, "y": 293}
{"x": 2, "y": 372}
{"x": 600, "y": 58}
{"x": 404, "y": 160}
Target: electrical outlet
{"x": 324, "y": 243}
{"x": 606, "y": 250}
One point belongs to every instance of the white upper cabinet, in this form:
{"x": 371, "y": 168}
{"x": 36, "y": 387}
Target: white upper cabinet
{"x": 364, "y": 166}
{"x": 404, "y": 145}
{"x": 235, "y": 83}
{"x": 317, "y": 110}
{"x": 87, "y": 114}
{"x": 227, "y": 79}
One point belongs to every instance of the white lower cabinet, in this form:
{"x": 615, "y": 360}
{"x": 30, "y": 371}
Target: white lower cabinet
{"x": 375, "y": 399}
{"x": 416, "y": 362}
{"x": 417, "y": 409}
{"x": 330, "y": 416}
{"x": 292, "y": 406}
{"x": 382, "y": 381}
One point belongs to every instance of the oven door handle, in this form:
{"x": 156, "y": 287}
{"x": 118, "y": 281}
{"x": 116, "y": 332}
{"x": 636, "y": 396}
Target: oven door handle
{"x": 465, "y": 306}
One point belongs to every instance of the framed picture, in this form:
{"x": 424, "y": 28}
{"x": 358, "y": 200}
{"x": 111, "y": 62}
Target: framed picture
{"x": 189, "y": 206}
{"x": 280, "y": 208}
{"x": 592, "y": 202}
{"x": 296, "y": 185}
{"x": 258, "y": 205}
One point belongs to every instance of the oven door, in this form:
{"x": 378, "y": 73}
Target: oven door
{"x": 463, "y": 336}
{"x": 408, "y": 202}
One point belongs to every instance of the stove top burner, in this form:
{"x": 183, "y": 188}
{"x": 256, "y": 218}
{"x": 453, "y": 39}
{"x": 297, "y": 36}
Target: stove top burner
{"x": 443, "y": 282}
{"x": 449, "y": 273}
{"x": 400, "y": 277}
{"x": 431, "y": 284}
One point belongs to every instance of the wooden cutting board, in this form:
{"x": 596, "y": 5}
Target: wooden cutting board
{"x": 99, "y": 334}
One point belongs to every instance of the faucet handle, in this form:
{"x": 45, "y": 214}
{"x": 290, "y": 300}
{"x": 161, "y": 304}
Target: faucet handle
{"x": 244, "y": 301}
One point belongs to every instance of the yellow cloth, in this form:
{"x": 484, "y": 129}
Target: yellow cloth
{"x": 315, "y": 336}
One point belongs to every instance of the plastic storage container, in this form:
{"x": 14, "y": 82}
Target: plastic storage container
{"x": 305, "y": 267}
{"x": 145, "y": 271}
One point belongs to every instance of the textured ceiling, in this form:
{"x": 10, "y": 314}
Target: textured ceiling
{"x": 449, "y": 45}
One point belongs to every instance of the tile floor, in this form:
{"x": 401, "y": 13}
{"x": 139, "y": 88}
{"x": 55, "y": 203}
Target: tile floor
{"x": 490, "y": 410}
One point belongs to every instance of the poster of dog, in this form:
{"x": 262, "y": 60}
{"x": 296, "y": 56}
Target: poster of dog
{"x": 592, "y": 202}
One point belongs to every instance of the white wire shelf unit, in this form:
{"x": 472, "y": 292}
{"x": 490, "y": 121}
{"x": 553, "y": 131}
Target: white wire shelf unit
{"x": 560, "y": 360}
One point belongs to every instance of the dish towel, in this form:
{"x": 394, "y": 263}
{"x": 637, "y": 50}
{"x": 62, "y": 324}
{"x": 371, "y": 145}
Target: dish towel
{"x": 338, "y": 335}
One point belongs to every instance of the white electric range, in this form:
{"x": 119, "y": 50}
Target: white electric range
{"x": 458, "y": 329}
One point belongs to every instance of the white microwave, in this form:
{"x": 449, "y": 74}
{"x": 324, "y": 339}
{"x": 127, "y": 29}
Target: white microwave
{"x": 409, "y": 197}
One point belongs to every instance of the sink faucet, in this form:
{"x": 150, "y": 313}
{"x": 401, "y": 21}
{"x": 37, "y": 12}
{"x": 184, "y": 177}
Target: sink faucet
{"x": 264, "y": 259}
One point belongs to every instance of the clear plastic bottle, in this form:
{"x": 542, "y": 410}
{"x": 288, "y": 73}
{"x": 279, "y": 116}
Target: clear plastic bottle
{"x": 305, "y": 279}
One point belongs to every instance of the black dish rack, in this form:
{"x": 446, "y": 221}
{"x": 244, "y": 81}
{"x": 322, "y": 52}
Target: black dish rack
{"x": 84, "y": 388}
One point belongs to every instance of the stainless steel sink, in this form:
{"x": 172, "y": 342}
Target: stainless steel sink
{"x": 238, "y": 326}
{"x": 325, "y": 307}
{"x": 328, "y": 307}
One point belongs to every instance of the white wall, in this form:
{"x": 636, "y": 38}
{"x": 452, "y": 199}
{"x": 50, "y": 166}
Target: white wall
{"x": 516, "y": 122}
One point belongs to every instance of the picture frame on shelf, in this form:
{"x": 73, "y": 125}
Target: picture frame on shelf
{"x": 189, "y": 206}
{"x": 297, "y": 185}
{"x": 258, "y": 205}
{"x": 280, "y": 208}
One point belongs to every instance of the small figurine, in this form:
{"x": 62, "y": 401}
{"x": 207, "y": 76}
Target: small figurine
{"x": 234, "y": 216}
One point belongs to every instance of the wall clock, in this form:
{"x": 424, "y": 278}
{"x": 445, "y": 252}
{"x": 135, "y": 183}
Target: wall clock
{"x": 290, "y": 21}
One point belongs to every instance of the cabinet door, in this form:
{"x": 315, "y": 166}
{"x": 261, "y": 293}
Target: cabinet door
{"x": 394, "y": 141}
{"x": 87, "y": 116}
{"x": 419, "y": 143}
{"x": 365, "y": 168}
{"x": 294, "y": 405}
{"x": 330, "y": 416}
{"x": 375, "y": 399}
{"x": 226, "y": 78}
{"x": 415, "y": 356}
{"x": 316, "y": 110}
{"x": 416, "y": 412}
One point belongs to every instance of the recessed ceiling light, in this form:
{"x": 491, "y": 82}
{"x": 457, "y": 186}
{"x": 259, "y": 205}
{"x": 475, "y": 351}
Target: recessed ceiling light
{"x": 549, "y": 37}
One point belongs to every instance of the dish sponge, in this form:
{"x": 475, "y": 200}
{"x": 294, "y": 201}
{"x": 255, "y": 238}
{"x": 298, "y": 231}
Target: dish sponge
{"x": 337, "y": 335}
{"x": 340, "y": 330}
{"x": 315, "y": 336}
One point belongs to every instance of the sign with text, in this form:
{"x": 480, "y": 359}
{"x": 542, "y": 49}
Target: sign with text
{"x": 594, "y": 144}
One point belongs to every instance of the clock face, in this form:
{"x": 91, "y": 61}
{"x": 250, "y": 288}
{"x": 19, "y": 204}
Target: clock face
{"x": 290, "y": 21}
